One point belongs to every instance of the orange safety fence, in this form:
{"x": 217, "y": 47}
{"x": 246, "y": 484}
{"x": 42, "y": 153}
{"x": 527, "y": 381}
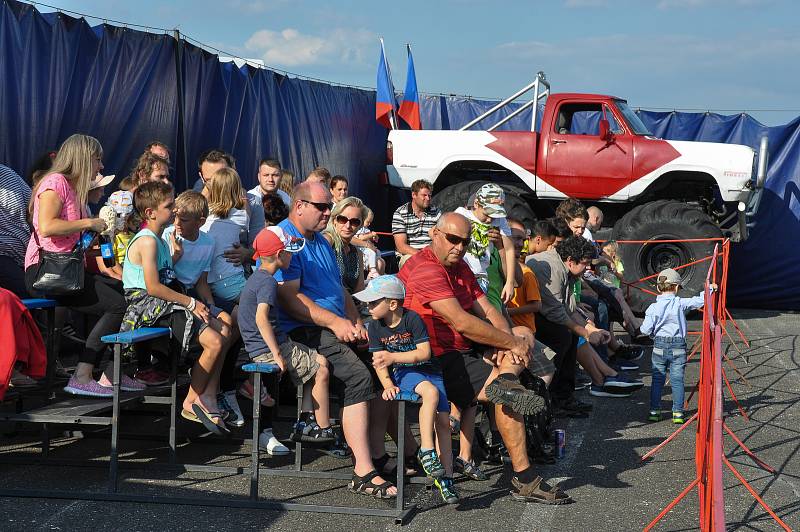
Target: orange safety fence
{"x": 710, "y": 424}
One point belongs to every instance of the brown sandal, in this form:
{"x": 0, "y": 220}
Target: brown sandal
{"x": 538, "y": 491}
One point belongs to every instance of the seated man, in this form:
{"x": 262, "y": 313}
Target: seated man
{"x": 412, "y": 222}
{"x": 558, "y": 324}
{"x": 315, "y": 310}
{"x": 480, "y": 360}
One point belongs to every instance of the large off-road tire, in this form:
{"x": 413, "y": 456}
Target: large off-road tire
{"x": 454, "y": 196}
{"x": 664, "y": 220}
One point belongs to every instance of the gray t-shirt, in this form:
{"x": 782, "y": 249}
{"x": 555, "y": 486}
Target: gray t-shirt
{"x": 261, "y": 287}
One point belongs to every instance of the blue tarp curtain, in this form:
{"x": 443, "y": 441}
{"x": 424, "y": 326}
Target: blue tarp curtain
{"x": 60, "y": 76}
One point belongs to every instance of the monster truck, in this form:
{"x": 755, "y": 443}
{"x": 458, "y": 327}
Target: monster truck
{"x": 595, "y": 148}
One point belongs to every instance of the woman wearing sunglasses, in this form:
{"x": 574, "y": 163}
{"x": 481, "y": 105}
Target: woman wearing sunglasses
{"x": 346, "y": 218}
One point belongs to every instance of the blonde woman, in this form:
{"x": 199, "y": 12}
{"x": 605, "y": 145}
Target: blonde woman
{"x": 346, "y": 219}
{"x": 59, "y": 216}
{"x": 226, "y": 224}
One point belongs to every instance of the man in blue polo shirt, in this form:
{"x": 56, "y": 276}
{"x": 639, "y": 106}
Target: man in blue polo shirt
{"x": 316, "y": 311}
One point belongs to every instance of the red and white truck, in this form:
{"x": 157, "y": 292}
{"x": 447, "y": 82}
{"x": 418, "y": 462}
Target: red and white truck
{"x": 595, "y": 148}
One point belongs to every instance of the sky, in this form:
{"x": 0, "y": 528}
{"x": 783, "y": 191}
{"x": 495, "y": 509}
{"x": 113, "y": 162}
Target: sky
{"x": 727, "y": 56}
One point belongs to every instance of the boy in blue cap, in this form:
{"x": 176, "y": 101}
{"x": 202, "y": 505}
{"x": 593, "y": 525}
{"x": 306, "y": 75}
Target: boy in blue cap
{"x": 398, "y": 338}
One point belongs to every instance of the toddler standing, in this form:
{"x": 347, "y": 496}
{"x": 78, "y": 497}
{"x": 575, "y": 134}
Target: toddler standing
{"x": 665, "y": 321}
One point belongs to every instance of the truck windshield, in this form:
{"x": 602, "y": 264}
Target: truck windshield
{"x": 632, "y": 118}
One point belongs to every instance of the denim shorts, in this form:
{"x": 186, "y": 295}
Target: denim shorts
{"x": 408, "y": 377}
{"x": 229, "y": 288}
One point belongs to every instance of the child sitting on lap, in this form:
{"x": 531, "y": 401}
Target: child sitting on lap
{"x": 266, "y": 342}
{"x": 665, "y": 321}
{"x": 148, "y": 279}
{"x": 398, "y": 337}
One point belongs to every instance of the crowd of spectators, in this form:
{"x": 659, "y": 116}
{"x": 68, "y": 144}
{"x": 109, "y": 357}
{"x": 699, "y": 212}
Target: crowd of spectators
{"x": 291, "y": 274}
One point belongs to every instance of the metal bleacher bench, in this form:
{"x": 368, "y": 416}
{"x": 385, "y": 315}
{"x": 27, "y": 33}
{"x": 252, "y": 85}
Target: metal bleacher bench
{"x": 89, "y": 412}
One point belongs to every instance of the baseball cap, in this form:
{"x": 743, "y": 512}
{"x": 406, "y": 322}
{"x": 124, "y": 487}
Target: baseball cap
{"x": 273, "y": 239}
{"x": 385, "y": 286}
{"x": 491, "y": 197}
{"x": 101, "y": 181}
{"x": 670, "y": 276}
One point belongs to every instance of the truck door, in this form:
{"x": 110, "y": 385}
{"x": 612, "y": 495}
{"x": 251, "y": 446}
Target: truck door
{"x": 579, "y": 162}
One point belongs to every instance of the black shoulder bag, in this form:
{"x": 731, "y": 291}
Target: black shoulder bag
{"x": 59, "y": 273}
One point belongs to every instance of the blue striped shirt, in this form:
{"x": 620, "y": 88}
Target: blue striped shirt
{"x": 667, "y": 316}
{"x": 14, "y": 230}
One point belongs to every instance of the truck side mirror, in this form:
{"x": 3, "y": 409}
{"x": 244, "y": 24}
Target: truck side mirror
{"x": 605, "y": 131}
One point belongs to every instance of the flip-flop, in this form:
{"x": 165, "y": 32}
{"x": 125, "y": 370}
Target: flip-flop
{"x": 204, "y": 417}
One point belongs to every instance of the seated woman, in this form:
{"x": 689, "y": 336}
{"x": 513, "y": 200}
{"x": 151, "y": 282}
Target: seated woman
{"x": 346, "y": 218}
{"x": 59, "y": 215}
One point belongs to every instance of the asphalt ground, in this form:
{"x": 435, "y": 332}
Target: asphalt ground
{"x": 602, "y": 470}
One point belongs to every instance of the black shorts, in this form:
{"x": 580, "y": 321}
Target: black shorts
{"x": 464, "y": 374}
{"x": 350, "y": 377}
{"x": 162, "y": 347}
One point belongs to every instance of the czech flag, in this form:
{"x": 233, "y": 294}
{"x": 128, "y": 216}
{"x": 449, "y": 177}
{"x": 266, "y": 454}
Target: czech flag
{"x": 385, "y": 101}
{"x": 409, "y": 109}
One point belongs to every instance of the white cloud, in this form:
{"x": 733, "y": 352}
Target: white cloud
{"x": 289, "y": 47}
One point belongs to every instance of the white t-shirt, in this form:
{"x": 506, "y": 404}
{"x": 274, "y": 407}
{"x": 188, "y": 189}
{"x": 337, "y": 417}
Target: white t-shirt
{"x": 587, "y": 234}
{"x": 477, "y": 256}
{"x": 256, "y": 191}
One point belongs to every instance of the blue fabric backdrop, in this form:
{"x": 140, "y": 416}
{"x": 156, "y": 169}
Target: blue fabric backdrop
{"x": 61, "y": 76}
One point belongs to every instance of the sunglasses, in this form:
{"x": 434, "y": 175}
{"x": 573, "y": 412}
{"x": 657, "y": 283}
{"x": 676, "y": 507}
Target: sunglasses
{"x": 354, "y": 222}
{"x": 321, "y": 207}
{"x": 456, "y": 240}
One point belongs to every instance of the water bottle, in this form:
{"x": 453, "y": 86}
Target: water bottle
{"x": 107, "y": 251}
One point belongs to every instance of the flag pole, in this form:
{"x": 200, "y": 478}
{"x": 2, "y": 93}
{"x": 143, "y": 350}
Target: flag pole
{"x": 392, "y": 119}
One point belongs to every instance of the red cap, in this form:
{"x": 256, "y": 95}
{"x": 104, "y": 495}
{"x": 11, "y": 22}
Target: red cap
{"x": 271, "y": 240}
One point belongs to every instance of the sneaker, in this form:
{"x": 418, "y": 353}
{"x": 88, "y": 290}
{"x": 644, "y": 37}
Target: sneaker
{"x": 625, "y": 365}
{"x": 90, "y": 389}
{"x": 629, "y": 352}
{"x": 246, "y": 391}
{"x": 447, "y": 490}
{"x": 151, "y": 377}
{"x": 654, "y": 416}
{"x": 622, "y": 382}
{"x": 20, "y": 380}
{"x": 582, "y": 382}
{"x": 310, "y": 432}
{"x": 601, "y": 391}
{"x": 677, "y": 418}
{"x": 268, "y": 442}
{"x": 469, "y": 469}
{"x": 69, "y": 332}
{"x": 430, "y": 463}
{"x": 498, "y": 454}
{"x": 59, "y": 372}
{"x": 227, "y": 403}
{"x": 515, "y": 396}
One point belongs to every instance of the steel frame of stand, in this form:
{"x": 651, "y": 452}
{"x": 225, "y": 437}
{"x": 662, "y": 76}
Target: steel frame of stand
{"x": 399, "y": 513}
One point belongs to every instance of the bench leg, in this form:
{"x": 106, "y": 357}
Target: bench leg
{"x": 173, "y": 403}
{"x": 298, "y": 447}
{"x": 254, "y": 452}
{"x": 401, "y": 454}
{"x": 113, "y": 465}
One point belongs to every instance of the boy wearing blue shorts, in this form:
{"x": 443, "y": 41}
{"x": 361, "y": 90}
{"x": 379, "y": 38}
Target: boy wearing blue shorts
{"x": 398, "y": 338}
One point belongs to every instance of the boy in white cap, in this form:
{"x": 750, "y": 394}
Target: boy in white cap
{"x": 398, "y": 338}
{"x": 490, "y": 230}
{"x": 665, "y": 321}
{"x": 265, "y": 342}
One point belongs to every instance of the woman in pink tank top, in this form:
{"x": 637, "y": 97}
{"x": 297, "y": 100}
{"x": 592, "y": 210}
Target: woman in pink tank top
{"x": 58, "y": 217}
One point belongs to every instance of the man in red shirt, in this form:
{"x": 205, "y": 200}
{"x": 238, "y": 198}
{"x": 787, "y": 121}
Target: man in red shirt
{"x": 472, "y": 343}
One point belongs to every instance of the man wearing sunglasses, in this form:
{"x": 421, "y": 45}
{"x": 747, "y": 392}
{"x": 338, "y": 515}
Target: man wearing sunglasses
{"x": 479, "y": 356}
{"x": 316, "y": 311}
